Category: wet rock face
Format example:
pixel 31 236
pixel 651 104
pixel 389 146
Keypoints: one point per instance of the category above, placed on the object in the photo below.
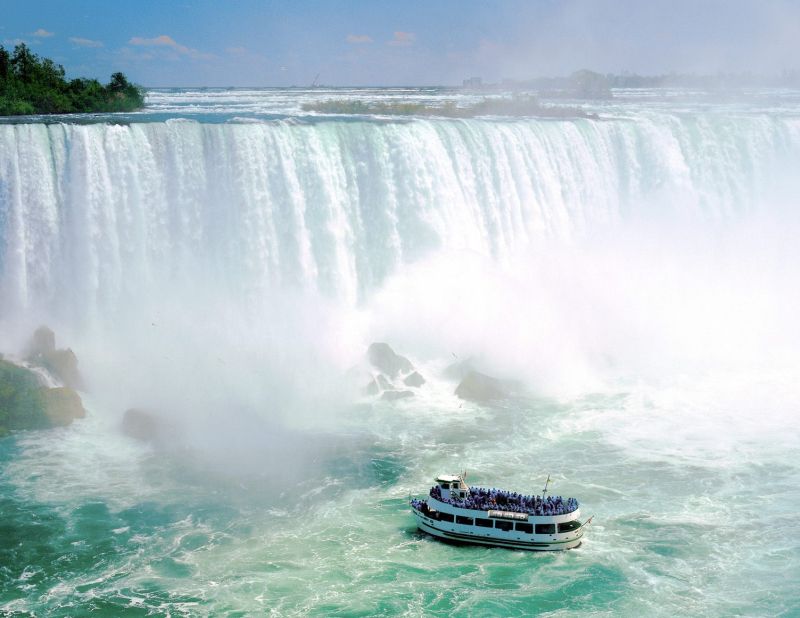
pixel 62 364
pixel 141 425
pixel 62 405
pixel 43 342
pixel 387 361
pixel 414 379
pixel 26 404
pixel 479 387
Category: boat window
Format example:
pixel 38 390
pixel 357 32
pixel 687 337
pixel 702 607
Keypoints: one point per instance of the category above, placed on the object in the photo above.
pixel 545 528
pixel 467 521
pixel 569 526
pixel 446 517
pixel 445 485
pixel 521 526
pixel 485 523
pixel 503 525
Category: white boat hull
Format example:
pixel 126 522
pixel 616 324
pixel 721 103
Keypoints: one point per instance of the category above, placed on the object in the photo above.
pixel 513 539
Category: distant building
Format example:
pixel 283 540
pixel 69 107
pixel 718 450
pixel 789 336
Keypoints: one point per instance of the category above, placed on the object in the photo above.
pixel 473 82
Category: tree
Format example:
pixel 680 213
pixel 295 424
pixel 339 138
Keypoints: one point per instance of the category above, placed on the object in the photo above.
pixel 33 85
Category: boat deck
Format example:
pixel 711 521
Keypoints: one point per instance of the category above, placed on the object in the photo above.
pixel 482 499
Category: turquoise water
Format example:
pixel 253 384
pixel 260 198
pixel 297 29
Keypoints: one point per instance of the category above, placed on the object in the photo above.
pixel 226 262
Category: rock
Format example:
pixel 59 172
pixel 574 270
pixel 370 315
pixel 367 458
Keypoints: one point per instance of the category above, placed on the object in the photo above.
pixel 458 370
pixel 384 383
pixel 62 405
pixel 414 379
pixel 62 364
pixel 43 342
pixel 384 358
pixel 372 388
pixel 26 404
pixel 141 425
pixel 477 386
pixel 395 395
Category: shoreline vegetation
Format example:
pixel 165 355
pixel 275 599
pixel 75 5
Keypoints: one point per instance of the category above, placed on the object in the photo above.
pixel 30 84
pixel 516 106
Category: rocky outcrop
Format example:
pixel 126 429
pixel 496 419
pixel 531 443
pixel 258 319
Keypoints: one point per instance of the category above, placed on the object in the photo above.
pixel 142 425
pixel 395 372
pixel 414 379
pixel 479 387
pixel 42 343
pixel 372 388
pixel 62 405
pixel 458 370
pixel 387 361
pixel 26 404
pixel 62 364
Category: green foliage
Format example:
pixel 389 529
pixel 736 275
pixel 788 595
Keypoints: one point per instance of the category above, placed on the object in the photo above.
pixel 33 85
pixel 521 105
pixel 22 405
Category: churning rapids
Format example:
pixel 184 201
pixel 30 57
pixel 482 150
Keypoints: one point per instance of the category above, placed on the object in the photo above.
pixel 225 258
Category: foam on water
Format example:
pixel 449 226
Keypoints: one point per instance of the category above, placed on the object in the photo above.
pixel 228 265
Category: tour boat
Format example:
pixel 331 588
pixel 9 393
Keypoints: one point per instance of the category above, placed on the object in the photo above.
pixel 454 511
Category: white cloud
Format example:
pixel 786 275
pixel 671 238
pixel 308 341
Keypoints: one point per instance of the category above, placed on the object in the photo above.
pixel 168 43
pixel 403 39
pixel 81 42
pixel 357 39
pixel 41 33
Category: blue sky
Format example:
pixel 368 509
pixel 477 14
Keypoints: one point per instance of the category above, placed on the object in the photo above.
pixel 420 42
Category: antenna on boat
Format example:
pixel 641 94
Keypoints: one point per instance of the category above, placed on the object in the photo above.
pixel 546 483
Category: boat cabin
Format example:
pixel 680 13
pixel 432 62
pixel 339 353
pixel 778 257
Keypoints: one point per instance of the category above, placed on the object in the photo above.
pixel 452 486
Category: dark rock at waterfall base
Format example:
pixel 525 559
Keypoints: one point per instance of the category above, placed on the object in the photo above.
pixel 458 370
pixel 62 405
pixel 414 379
pixel 479 387
pixel 384 358
pixel 384 383
pixel 61 364
pixel 43 342
pixel 142 425
pixel 26 404
pixel 372 388
pixel 395 395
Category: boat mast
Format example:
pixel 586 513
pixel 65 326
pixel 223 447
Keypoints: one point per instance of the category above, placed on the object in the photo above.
pixel 546 483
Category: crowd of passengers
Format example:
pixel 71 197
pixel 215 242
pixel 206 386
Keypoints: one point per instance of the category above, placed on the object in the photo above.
pixel 482 499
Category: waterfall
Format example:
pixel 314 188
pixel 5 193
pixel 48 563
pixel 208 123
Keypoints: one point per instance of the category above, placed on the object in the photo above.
pixel 97 215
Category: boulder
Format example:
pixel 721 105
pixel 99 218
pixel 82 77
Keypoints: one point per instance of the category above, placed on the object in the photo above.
pixel 386 360
pixel 414 379
pixel 26 404
pixel 395 395
pixel 141 425
pixel 62 364
pixel 62 405
pixel 479 387
pixel 43 342
pixel 372 388
pixel 458 370
pixel 384 383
